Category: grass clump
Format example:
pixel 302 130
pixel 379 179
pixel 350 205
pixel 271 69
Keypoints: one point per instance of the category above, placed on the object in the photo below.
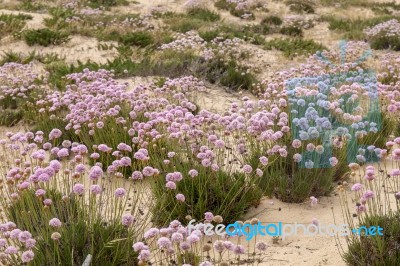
pixel 44 37
pixel 229 195
pixel 106 3
pixel 383 41
pixel 107 243
pixel 141 39
pixel 291 31
pixel 204 14
pixel 300 6
pixel 294 47
pixel 376 250
pixel 272 20
pixel 231 7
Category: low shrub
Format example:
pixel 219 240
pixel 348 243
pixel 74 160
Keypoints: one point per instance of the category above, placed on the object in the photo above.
pixel 300 6
pixel 44 37
pixel 141 39
pixel 272 20
pixel 291 31
pixel 231 7
pixel 106 3
pixel 294 47
pixel 385 42
pixel 203 14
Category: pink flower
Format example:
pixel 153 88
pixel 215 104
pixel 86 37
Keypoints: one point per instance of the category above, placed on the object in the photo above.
pixel 296 143
pixel 369 194
pixel 127 219
pixel 356 187
pixel 261 246
pixel 95 189
pixel 170 185
pixel 395 172
pixel 264 160
pixel 180 197
pixel 137 175
pixel 314 201
pixel 78 189
pixel 55 134
pixel 193 173
pixel 120 192
pixel 55 222
pixel 164 243
pixel 247 169
pixel 95 173
pixel 208 216
pixel 27 256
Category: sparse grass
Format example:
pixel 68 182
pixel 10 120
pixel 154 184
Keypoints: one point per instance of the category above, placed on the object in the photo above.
pixel 58 16
pixel 44 37
pixel 25 59
pixel 294 47
pixel 184 24
pixel 361 3
pixel 11 24
pixel 31 6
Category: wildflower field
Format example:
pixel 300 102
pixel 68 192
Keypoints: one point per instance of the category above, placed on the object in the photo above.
pixel 131 129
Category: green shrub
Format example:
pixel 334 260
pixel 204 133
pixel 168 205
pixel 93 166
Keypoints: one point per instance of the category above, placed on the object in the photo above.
pixel 209 35
pixel 44 37
pixel 228 74
pixel 231 7
pixel 382 42
pixel 185 24
pixel 291 31
pixel 294 47
pixel 237 79
pixel 272 20
pixel 203 14
pixel 141 39
pixel 10 117
pixel 300 6
pixel 106 3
